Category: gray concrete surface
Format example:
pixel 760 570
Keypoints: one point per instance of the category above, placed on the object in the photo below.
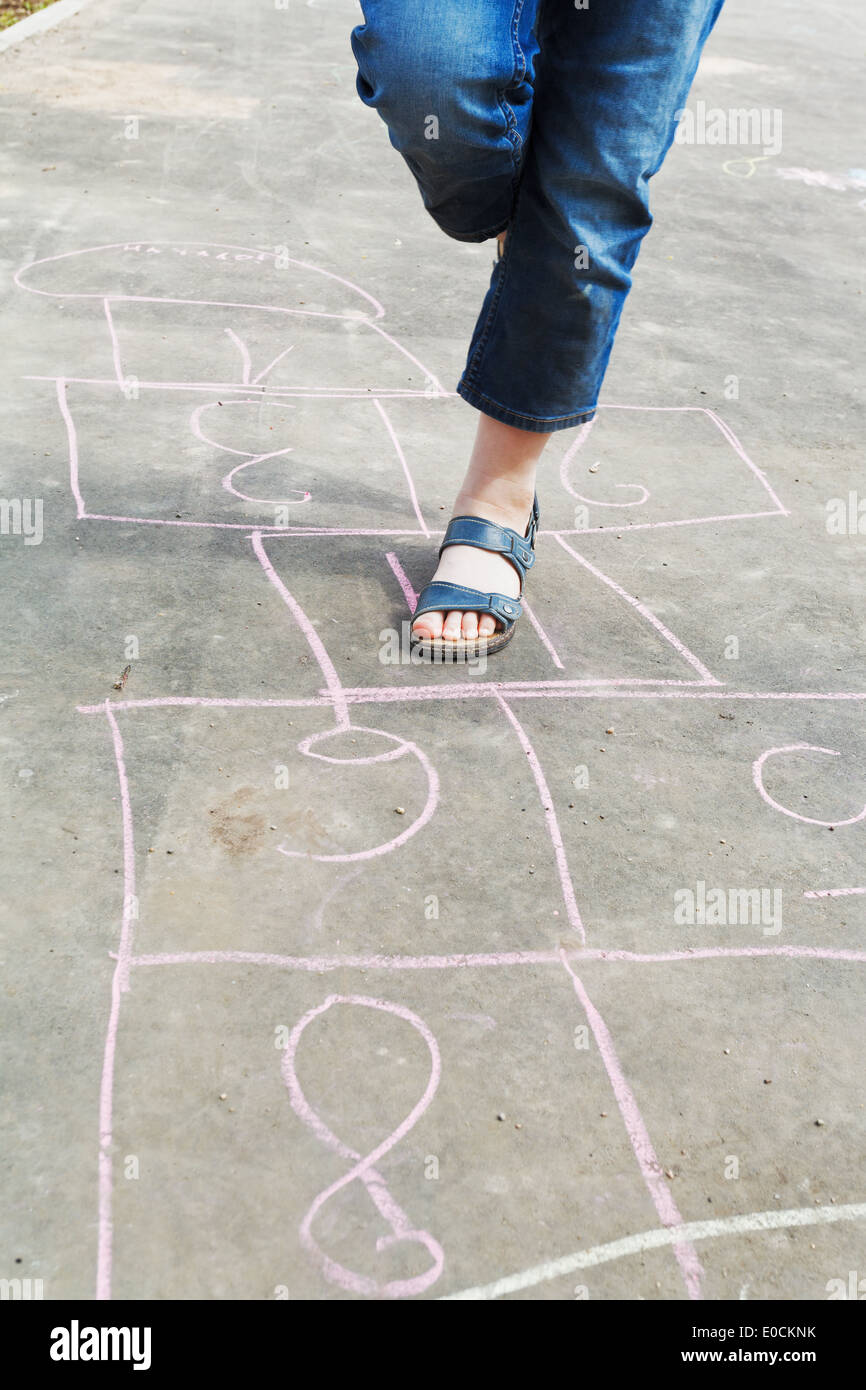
pixel 534 1052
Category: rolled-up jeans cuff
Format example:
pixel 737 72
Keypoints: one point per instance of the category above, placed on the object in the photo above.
pixel 538 424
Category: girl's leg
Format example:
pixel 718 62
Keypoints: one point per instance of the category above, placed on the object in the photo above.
pixel 609 80
pixel 454 84
pixel 560 153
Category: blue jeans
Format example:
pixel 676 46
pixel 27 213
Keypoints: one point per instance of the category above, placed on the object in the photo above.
pixel 548 120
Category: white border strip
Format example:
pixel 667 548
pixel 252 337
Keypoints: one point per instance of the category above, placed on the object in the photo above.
pixel 671 1235
pixel 40 21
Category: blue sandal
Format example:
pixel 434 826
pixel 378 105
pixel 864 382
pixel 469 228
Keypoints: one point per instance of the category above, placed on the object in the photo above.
pixel 444 597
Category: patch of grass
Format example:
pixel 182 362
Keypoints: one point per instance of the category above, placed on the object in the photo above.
pixel 13 10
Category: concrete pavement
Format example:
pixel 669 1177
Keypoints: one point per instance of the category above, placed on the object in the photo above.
pixel 328 976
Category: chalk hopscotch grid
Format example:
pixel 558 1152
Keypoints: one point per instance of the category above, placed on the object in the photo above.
pixel 651 1171
pixel 375 398
pixel 672 1231
pixel 434 390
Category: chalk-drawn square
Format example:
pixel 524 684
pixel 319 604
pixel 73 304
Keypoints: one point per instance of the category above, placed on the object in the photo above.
pixel 763 781
pixel 503 1044
pixel 258 829
pixel 581 625
pixel 642 467
pixel 229 459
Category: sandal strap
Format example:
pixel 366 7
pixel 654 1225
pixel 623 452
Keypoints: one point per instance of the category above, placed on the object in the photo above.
pixel 500 540
pixel 535 518
pixel 444 597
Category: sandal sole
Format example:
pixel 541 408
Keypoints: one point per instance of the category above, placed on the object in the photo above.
pixel 434 650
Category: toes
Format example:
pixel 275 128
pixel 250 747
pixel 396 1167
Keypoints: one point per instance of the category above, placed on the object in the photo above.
pixel 428 626
pixel 453 626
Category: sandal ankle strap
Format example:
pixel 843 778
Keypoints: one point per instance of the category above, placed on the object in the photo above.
pixel 499 540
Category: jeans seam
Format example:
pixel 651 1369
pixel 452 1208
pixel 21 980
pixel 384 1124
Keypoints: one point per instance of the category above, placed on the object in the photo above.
pixel 511 122
pixel 511 131
pixel 515 40
pixel 518 73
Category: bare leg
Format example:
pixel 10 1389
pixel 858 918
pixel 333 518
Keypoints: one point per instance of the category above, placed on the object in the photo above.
pixel 499 486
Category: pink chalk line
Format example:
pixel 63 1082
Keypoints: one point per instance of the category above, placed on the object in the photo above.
pixel 133 244
pixel 289 532
pixel 651 1169
pixel 542 635
pixel 738 448
pixel 413 496
pixel 571 908
pixel 229 486
pixel 307 392
pixel 649 1165
pixel 595 502
pixel 280 532
pixel 491 959
pixel 335 690
pixel 318 918
pixel 73 447
pixel 599 689
pixel 273 362
pixel 726 432
pixel 758 779
pixel 720 425
pixel 249 458
pixel 249 527
pixel 343 723
pixel 435 388
pixel 515 690
pixel 626 527
pixel 247 362
pixel 115 345
pixel 217 702
pixel 363 1167
pixel 645 613
pixel 433 382
pixel 579 440
pixel 119 985
pixel 198 430
pixel 403 580
pixel 210 304
pixel 402 747
pixel 833 892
